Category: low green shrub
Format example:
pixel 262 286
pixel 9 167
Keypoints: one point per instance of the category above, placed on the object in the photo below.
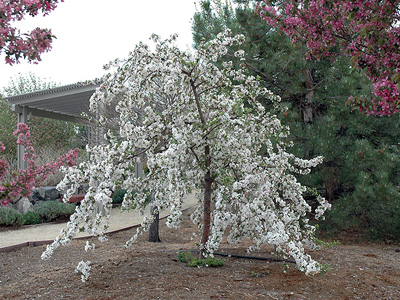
pixel 10 217
pixel 118 196
pixel 53 210
pixel 195 262
pixel 31 218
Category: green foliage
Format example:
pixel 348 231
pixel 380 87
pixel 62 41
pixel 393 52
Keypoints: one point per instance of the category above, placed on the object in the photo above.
pixel 27 83
pixel 8 123
pixel 184 257
pixel 118 196
pixel 271 55
pixel 325 268
pixel 31 218
pixel 53 210
pixel 196 262
pixel 360 174
pixel 10 217
pixel 326 244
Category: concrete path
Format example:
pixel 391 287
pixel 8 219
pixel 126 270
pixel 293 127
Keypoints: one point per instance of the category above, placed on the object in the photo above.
pixel 49 231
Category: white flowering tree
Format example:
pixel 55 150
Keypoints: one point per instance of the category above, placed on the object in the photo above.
pixel 199 128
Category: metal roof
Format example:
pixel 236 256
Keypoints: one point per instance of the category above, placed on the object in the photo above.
pixel 63 103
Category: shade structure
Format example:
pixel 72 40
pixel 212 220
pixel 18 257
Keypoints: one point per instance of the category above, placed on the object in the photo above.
pixel 62 103
pixel 66 103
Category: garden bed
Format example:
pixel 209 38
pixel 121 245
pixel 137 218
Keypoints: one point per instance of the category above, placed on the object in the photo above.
pixel 359 270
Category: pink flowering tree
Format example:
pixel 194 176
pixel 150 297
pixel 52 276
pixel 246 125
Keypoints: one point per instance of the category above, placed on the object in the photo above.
pixel 27 45
pixel 367 31
pixel 34 175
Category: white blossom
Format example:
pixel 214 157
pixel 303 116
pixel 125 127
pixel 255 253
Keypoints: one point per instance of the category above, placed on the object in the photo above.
pixel 83 268
pixel 186 118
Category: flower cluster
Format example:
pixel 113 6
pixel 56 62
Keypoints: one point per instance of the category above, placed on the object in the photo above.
pixel 28 46
pixel 83 268
pixel 367 31
pixel 34 175
pixel 199 127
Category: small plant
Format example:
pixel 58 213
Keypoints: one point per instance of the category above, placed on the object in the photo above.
pixel 184 257
pixel 204 262
pixel 326 244
pixel 325 268
pixel 53 210
pixel 256 274
pixel 31 218
pixel 10 217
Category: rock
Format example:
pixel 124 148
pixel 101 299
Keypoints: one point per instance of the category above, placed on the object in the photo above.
pixel 51 194
pixel 36 196
pixel 40 191
pixel 23 205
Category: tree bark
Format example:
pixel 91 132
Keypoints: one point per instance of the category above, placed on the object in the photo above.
pixel 153 230
pixel 308 103
pixel 207 203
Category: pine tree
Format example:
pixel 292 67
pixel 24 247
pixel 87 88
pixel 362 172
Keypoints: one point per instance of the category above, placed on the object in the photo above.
pixel 316 93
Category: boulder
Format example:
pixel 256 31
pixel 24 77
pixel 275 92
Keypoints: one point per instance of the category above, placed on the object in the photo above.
pixel 39 191
pixel 23 205
pixel 51 194
pixel 36 196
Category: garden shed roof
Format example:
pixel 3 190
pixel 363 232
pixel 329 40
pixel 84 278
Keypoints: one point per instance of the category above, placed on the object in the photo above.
pixel 62 103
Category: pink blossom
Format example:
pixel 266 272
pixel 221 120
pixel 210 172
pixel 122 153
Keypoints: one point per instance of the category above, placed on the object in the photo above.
pixel 28 45
pixel 25 180
pixel 366 30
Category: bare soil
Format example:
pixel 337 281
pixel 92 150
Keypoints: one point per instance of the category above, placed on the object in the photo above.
pixel 359 270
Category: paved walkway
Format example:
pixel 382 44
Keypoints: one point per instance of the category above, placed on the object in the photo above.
pixel 29 235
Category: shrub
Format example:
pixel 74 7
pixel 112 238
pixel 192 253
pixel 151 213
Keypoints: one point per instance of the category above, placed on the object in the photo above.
pixel 53 210
pixel 118 196
pixel 10 217
pixel 195 262
pixel 32 217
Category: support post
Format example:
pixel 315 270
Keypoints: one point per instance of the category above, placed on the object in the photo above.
pixel 22 118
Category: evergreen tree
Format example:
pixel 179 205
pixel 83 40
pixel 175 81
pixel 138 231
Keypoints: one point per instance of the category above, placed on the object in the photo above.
pixel 361 153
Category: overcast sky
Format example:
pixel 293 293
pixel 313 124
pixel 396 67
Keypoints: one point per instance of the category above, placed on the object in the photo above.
pixel 90 33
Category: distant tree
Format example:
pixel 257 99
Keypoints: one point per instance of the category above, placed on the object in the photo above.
pixel 16 45
pixel 27 83
pixel 307 85
pixel 8 123
pixel 315 93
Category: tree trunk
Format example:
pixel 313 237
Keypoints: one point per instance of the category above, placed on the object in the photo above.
pixel 153 230
pixel 308 103
pixel 207 204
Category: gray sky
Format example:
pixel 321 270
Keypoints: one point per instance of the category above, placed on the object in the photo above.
pixel 90 33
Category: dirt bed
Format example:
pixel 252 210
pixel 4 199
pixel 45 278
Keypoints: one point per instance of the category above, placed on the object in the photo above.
pixel 152 271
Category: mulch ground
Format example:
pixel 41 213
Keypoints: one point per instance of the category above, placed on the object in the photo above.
pixel 359 270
